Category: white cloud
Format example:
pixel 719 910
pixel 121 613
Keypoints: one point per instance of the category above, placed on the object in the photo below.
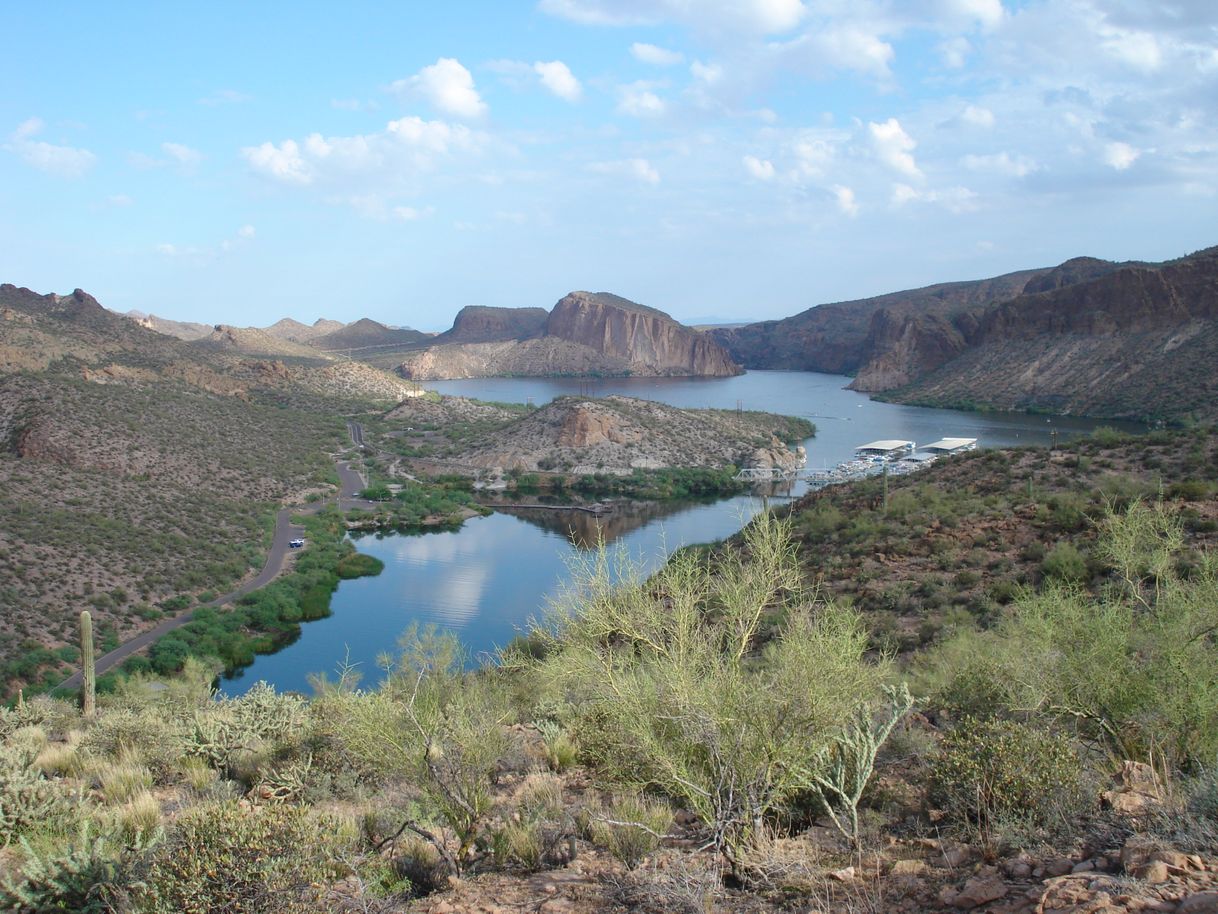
pixel 977 116
pixel 448 87
pixel 639 169
pixel 119 200
pixel 852 46
pixel 655 55
pixel 708 73
pixel 62 161
pixel 558 78
pixel 1139 50
pixel 371 173
pixel 1002 163
pixel 757 16
pixel 183 155
pixel 410 213
pixel 760 169
pixel 637 100
pixel 988 14
pixel 845 200
pixel 954 199
pixel 283 162
pixel 168 250
pixel 1120 155
pixel 246 231
pixel 894 147
pixel 954 52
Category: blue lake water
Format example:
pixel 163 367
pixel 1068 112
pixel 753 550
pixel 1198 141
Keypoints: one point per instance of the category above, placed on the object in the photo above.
pixel 487 579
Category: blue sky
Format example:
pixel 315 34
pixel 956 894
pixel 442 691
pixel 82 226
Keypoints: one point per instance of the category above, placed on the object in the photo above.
pixel 237 163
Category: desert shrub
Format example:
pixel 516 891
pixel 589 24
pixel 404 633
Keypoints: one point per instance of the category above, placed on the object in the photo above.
pixel 1133 670
pixel 630 827
pixel 122 779
pixel 559 747
pixel 139 819
pixel 1065 563
pixel 439 726
pixel 669 686
pixel 155 735
pixel 222 857
pixel 997 769
pixel 357 565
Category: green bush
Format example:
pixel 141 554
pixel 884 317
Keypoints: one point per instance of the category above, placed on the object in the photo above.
pixel 83 878
pixel 996 769
pixel 356 565
pixel 1065 564
pixel 630 827
pixel 223 857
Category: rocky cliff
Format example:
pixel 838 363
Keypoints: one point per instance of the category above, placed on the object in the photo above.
pixel 651 341
pixel 586 333
pixel 1134 340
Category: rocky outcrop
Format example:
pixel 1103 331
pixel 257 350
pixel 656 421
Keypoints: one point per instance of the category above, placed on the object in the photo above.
pixel 483 324
pixel 296 332
pixel 649 340
pixel 906 347
pixel 619 434
pixel 586 334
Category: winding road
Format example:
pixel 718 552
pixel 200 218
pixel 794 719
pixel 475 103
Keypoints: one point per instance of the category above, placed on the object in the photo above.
pixel 351 481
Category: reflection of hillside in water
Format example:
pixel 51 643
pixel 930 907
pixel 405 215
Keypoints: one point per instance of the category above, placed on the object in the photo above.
pixel 585 531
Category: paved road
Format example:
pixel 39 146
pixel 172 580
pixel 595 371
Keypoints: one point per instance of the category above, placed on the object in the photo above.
pixel 285 531
pixel 351 481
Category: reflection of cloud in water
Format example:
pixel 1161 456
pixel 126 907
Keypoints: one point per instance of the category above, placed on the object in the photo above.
pixel 453 600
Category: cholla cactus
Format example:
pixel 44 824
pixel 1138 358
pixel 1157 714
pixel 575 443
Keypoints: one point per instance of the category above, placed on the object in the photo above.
pixel 27 799
pixel 267 714
pixel 284 784
pixel 79 878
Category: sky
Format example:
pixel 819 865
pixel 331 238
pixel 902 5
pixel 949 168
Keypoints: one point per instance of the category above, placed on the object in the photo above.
pixel 230 162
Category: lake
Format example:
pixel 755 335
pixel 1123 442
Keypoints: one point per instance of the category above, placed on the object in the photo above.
pixel 487 579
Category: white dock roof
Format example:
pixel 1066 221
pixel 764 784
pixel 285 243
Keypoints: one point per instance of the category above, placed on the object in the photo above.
pixel 950 444
pixel 885 445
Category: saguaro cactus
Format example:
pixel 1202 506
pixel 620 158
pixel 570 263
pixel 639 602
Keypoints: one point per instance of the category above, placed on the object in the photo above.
pixel 88 683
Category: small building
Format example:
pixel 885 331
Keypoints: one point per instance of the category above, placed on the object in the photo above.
pixel 919 460
pixel 945 446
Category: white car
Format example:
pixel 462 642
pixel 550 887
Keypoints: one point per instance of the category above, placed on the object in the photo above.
pixel 296 544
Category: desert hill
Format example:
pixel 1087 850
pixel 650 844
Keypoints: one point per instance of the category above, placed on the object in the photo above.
pixel 183 330
pixel 619 434
pixel 138 470
pixel 368 334
pixel 585 333
pixel 296 332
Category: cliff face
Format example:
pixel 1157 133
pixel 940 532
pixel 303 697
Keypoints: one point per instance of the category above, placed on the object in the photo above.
pixel 586 333
pixel 649 340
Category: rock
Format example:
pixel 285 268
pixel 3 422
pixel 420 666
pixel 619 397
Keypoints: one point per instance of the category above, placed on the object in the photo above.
pixel 908 868
pixel 1153 872
pixel 1083 866
pixel 1176 862
pixel 1059 866
pixel 1200 903
pixel 843 875
pixel 981 889
pixel 956 855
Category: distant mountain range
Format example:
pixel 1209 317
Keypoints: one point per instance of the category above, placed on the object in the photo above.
pixel 1090 337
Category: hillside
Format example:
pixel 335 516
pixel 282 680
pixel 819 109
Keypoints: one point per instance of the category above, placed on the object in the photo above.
pixel 1136 341
pixel 619 434
pixel 367 334
pixel 837 338
pixel 296 332
pixel 586 333
pixel 183 330
pixel 138 471
pixel 731 734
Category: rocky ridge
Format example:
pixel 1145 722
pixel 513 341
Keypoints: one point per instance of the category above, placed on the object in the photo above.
pixel 586 333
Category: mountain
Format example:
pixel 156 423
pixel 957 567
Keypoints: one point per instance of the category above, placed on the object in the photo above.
pixel 296 332
pixel 368 334
pixel 836 338
pixel 482 324
pixel 1129 340
pixel 585 333
pixel 183 330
